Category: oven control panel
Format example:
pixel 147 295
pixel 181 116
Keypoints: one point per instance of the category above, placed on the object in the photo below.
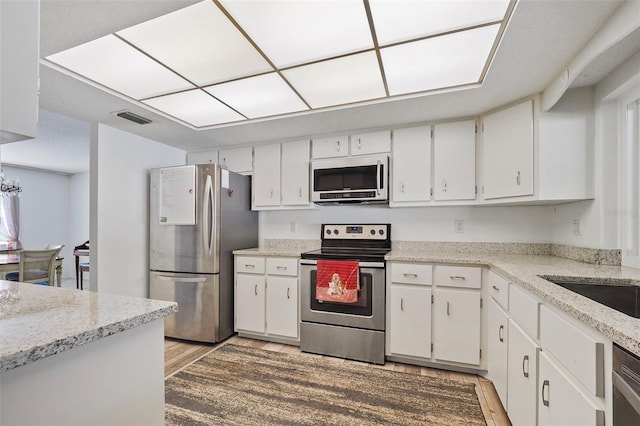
pixel 356 232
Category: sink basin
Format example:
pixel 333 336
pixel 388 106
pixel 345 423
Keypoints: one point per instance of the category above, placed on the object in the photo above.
pixel 621 295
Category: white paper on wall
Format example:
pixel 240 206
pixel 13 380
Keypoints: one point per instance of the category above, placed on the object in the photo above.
pixel 178 195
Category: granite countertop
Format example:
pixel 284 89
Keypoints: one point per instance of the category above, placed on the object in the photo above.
pixel 525 270
pixel 269 252
pixel 50 320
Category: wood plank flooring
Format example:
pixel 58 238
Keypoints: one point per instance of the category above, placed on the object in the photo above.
pixel 179 354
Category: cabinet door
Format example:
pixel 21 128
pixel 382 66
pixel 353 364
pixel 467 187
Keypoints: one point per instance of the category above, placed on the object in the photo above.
pixel 250 303
pixel 457 326
pixel 237 160
pixel 335 146
pixel 497 344
pixel 561 402
pixel 508 152
pixel 411 171
pixel 371 143
pixel 522 377
pixel 266 176
pixel 454 161
pixel 205 157
pixel 410 321
pixel 295 173
pixel 282 306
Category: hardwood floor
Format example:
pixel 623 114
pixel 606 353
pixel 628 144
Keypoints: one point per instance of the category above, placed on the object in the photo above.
pixel 179 354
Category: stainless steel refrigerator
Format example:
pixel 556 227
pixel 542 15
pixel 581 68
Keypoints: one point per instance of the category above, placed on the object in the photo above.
pixel 199 214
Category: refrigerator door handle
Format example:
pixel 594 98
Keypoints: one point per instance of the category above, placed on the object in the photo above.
pixel 207 216
pixel 181 279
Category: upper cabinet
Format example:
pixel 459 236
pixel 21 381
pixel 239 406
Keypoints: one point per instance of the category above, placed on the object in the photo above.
pixel 533 156
pixel 19 43
pixel 356 144
pixel 239 160
pixel 281 176
pixel 203 157
pixel 411 167
pixel 454 161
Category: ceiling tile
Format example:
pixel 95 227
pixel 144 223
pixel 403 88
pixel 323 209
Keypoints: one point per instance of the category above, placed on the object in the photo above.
pixel 439 62
pixel 338 81
pixel 200 43
pixel 401 20
pixel 260 96
pixel 195 107
pixel 294 32
pixel 113 63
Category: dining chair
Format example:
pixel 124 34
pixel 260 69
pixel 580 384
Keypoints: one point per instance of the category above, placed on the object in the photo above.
pixel 36 266
pixel 84 267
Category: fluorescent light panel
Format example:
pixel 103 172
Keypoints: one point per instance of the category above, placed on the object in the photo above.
pixel 295 32
pixel 113 63
pixel 200 43
pixel 260 96
pixel 195 107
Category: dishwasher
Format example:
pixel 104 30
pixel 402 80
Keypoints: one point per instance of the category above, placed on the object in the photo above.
pixel 626 387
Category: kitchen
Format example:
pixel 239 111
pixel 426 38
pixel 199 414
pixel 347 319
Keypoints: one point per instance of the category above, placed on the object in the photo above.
pixel 598 222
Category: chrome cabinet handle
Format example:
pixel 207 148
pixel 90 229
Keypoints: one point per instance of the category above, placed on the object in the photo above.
pixel 271 193
pixel 401 186
pixel 444 186
pixel 500 333
pixel 447 308
pixel 255 289
pixel 337 145
pixel 525 359
pixel 359 144
pixel 281 267
pixel 518 178
pixel 457 277
pixel 288 296
pixel 495 288
pixel 545 384
pixel 248 265
pixel 300 192
pixel 410 275
pixel 401 304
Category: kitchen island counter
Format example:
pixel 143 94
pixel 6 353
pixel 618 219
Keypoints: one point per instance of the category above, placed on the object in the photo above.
pixel 86 357
pixel 525 270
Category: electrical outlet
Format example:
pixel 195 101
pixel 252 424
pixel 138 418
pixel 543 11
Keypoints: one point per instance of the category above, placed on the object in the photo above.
pixel 576 227
pixel 294 225
pixel 459 226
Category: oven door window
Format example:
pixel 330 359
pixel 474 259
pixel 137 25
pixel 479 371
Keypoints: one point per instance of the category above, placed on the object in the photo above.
pixel 362 307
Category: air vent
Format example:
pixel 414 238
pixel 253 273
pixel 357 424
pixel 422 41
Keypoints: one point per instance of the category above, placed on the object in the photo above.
pixel 128 115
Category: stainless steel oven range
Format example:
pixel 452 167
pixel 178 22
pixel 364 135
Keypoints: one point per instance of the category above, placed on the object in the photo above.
pixel 353 330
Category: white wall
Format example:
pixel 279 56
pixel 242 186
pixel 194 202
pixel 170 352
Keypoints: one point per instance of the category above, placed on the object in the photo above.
pixel 119 208
pixel 489 224
pixel 600 217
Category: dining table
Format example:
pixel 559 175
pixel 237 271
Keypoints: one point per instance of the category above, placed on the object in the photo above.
pixel 10 262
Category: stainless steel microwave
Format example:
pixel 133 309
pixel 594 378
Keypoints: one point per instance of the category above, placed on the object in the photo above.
pixel 350 179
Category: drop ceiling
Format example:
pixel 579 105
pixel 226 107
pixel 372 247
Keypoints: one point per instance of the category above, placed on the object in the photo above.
pixel 539 41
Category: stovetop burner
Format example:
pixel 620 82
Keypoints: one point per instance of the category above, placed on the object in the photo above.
pixel 370 242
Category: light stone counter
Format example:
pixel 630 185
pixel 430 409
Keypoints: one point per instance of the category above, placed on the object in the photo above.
pixel 50 320
pixel 525 270
pixel 280 248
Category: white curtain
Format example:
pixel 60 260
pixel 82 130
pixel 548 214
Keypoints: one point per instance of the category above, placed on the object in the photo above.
pixel 10 224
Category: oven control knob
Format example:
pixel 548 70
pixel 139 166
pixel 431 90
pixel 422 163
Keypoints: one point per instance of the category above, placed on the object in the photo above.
pixel 336 232
pixel 328 231
pixel 373 232
pixel 381 232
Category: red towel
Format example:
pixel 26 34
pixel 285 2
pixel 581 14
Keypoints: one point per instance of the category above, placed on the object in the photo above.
pixel 338 281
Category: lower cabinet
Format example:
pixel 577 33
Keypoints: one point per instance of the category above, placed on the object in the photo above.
pixel 522 377
pixel 266 304
pixel 561 402
pixel 497 348
pixel 457 331
pixel 410 322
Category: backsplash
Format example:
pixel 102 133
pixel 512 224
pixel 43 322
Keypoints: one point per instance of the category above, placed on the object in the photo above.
pixel 588 255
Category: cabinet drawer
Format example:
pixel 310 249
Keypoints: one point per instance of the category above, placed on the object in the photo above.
pixel 499 289
pixel 282 266
pixel 411 273
pixel 458 276
pixel 250 265
pixel 524 309
pixel 578 352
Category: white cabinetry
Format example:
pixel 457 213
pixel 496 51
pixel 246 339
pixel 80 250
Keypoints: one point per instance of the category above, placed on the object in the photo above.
pixel 497 348
pixel 281 176
pixel 20 46
pixel 327 147
pixel 454 161
pixel 239 160
pixel 267 298
pixel 266 176
pixel 370 143
pixel 410 310
pixel 411 168
pixel 203 157
pixel 522 377
pixel 533 156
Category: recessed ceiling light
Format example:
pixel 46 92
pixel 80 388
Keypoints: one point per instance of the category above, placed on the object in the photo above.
pixel 200 43
pixel 338 81
pixel 295 32
pixel 195 107
pixel 260 96
pixel 113 63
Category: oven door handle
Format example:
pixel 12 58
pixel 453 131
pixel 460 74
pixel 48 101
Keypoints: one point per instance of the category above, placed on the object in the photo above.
pixel 620 384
